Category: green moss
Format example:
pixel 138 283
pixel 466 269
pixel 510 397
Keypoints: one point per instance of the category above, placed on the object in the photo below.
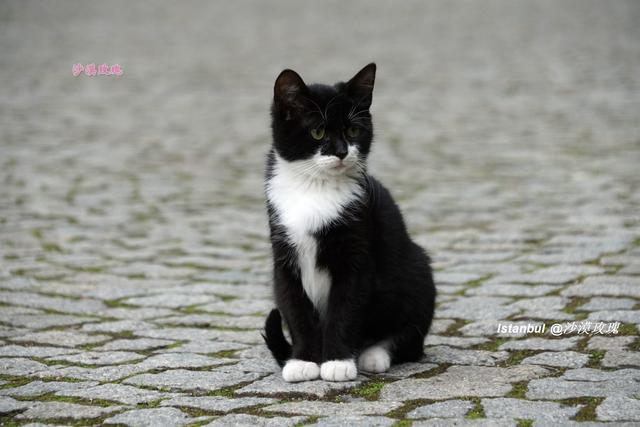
pixel 627 329
pixel 595 358
pixel 635 346
pixel 452 330
pixel 224 353
pixel 520 422
pixel 433 372
pixel 311 420
pixel 574 303
pixel 477 411
pixel 492 345
pixel 517 356
pixel 518 390
pixel 588 412
pixel 369 390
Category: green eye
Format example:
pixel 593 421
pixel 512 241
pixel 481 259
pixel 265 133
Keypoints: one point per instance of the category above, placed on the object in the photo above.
pixel 318 133
pixel 353 132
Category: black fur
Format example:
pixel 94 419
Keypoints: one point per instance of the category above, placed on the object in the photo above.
pixel 382 286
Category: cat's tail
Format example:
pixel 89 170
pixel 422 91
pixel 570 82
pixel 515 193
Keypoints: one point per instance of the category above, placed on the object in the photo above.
pixel 274 337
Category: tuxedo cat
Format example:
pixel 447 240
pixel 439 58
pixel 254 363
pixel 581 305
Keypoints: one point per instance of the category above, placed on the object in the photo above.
pixel 349 282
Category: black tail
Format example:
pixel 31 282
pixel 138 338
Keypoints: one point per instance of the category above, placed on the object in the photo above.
pixel 273 336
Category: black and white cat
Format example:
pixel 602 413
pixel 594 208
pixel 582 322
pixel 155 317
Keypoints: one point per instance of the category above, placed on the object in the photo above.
pixel 349 282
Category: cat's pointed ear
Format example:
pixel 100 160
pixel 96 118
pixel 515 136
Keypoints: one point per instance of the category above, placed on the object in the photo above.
pixel 289 91
pixel 360 87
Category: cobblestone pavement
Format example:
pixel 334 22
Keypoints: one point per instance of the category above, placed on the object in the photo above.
pixel 134 255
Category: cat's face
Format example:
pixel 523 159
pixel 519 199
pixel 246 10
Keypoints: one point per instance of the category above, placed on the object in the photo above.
pixel 326 130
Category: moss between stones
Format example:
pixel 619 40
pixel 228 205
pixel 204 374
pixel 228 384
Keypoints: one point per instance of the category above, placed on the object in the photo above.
pixel 521 422
pixel 477 411
pixel 452 330
pixel 595 358
pixel 588 412
pixel 369 390
pixel 627 329
pixel 517 356
pixel 403 423
pixel 518 390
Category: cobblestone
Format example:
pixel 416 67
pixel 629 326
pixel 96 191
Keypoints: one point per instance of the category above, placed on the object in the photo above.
pixel 135 269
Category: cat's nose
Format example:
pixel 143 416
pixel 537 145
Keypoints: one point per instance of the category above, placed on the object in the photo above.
pixel 341 149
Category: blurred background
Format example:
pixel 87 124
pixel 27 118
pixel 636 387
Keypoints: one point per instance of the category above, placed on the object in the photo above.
pixel 513 119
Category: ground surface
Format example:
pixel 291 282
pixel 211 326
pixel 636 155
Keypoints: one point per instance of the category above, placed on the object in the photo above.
pixel 134 256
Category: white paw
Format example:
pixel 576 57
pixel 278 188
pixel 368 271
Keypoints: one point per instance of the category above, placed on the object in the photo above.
pixel 338 370
pixel 299 370
pixel 374 359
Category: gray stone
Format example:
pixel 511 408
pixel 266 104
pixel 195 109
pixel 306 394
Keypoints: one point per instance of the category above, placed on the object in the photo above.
pixel 20 367
pixel 195 334
pixel 408 369
pixel 621 359
pixel 463 422
pixel 171 300
pixel 443 354
pixel 239 307
pixel 8 405
pixel 541 344
pixel 333 409
pixel 615 286
pixel 192 380
pixel 217 403
pixel 242 420
pixel 354 421
pixel 511 290
pixel 275 385
pixel 624 316
pixel 60 410
pixel 209 320
pixel 32 351
pixel 117 326
pixel 609 343
pixel 478 308
pixel 136 344
pixel 206 347
pixel 446 409
pixel 114 392
pixel 151 418
pixel 585 382
pixel 462 381
pixel 38 388
pixel 62 338
pixel 606 303
pixel 519 408
pixel 99 357
pixel 564 359
pixel 619 408
pixel 464 342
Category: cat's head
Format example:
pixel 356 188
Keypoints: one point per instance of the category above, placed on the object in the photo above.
pixel 327 130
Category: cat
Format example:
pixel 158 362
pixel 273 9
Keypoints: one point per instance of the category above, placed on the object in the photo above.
pixel 348 280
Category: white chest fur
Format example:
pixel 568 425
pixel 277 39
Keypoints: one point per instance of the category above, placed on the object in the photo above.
pixel 304 204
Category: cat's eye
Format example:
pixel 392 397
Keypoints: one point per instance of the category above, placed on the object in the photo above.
pixel 353 132
pixel 317 133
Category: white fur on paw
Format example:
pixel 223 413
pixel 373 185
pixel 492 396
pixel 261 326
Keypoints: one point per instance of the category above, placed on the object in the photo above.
pixel 374 359
pixel 338 370
pixel 299 370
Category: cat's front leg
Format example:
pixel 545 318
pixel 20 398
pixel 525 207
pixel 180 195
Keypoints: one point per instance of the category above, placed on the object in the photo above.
pixel 303 327
pixel 342 329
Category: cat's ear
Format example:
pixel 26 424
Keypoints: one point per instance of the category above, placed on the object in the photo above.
pixel 360 87
pixel 289 92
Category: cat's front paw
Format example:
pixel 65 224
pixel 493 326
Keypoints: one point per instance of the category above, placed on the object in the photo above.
pixel 374 359
pixel 338 370
pixel 299 370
